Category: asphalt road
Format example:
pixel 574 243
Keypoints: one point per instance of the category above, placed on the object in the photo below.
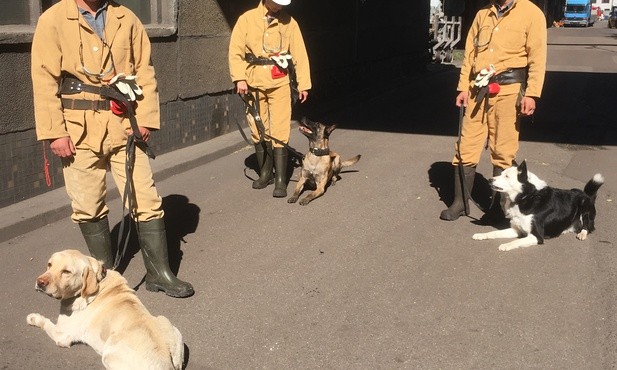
pixel 368 277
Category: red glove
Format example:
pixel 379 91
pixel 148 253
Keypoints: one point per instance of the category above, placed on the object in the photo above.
pixel 119 108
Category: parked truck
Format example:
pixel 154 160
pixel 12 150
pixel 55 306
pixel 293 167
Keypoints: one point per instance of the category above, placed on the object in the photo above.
pixel 578 13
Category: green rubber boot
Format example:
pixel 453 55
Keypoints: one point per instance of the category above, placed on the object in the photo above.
pixel 263 151
pixel 460 206
pixel 495 213
pixel 280 173
pixel 98 239
pixel 153 242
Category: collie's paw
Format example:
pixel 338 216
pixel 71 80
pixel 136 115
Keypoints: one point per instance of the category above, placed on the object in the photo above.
pixel 508 247
pixel 582 235
pixel 479 236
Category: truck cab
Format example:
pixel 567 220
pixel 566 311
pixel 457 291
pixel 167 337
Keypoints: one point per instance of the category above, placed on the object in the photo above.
pixel 578 13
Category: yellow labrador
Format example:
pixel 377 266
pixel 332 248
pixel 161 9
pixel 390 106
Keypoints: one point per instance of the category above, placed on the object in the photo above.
pixel 98 308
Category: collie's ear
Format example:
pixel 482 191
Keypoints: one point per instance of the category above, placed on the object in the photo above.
pixel 522 172
pixel 514 163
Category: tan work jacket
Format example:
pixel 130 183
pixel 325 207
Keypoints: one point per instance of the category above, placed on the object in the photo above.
pixel 61 35
pixel 252 34
pixel 516 39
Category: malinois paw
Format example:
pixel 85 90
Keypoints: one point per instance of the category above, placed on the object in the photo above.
pixel 292 199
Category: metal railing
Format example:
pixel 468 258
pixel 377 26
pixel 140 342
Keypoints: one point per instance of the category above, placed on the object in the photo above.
pixel 446 34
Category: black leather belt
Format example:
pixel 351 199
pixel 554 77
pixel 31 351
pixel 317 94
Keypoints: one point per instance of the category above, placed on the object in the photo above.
pixel 511 76
pixel 82 104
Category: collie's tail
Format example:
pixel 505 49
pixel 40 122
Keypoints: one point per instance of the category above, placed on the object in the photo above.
pixel 592 186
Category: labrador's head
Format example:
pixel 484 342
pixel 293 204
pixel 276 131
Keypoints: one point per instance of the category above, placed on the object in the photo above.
pixel 70 274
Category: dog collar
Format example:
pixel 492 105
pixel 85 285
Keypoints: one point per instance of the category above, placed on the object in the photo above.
pixel 319 151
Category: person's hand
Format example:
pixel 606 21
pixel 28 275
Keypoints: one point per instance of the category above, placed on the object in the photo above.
pixel 528 106
pixel 62 147
pixel 242 88
pixel 303 95
pixel 462 99
pixel 144 131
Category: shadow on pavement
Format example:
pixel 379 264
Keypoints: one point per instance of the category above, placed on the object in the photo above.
pixel 576 108
pixel 181 219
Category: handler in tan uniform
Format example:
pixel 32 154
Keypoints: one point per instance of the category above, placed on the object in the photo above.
pixel 501 78
pixel 78 47
pixel 264 41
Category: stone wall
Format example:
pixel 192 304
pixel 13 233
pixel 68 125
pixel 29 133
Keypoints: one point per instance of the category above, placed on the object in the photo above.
pixel 352 44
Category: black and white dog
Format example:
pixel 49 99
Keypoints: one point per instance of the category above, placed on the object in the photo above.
pixel 538 211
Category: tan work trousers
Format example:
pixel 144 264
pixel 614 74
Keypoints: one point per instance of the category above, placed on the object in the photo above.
pixel 84 177
pixel 275 112
pixel 499 123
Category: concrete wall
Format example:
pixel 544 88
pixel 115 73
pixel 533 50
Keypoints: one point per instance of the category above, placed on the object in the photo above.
pixel 351 43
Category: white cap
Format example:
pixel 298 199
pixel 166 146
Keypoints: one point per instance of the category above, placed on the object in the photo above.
pixel 282 2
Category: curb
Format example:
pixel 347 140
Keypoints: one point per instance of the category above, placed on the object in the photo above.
pixel 36 212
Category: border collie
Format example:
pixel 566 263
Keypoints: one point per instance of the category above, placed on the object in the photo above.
pixel 538 211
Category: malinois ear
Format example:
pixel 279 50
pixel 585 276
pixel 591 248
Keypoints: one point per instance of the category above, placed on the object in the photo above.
pixel 330 128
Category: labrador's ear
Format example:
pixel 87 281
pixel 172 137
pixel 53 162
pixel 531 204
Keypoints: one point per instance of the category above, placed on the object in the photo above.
pixel 90 284
pixel 91 276
pixel 98 267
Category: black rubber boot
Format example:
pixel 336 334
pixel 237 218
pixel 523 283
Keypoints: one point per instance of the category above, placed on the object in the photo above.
pixel 98 239
pixel 494 213
pixel 263 151
pixel 460 205
pixel 280 173
pixel 153 242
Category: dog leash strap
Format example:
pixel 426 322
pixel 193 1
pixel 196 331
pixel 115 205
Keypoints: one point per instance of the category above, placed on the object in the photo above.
pixel 127 202
pixel 252 106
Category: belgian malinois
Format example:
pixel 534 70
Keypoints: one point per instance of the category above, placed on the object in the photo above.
pixel 320 166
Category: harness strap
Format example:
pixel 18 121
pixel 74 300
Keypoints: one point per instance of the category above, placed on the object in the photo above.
pixel 253 60
pixel 252 106
pixel 71 85
pixel 508 77
pixel 258 61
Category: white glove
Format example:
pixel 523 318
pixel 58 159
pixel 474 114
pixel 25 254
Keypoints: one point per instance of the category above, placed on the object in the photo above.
pixel 127 86
pixel 281 60
pixel 484 76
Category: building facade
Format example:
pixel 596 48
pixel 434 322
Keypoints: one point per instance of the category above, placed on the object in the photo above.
pixel 350 43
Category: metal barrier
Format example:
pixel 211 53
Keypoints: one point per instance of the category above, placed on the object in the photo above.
pixel 446 33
